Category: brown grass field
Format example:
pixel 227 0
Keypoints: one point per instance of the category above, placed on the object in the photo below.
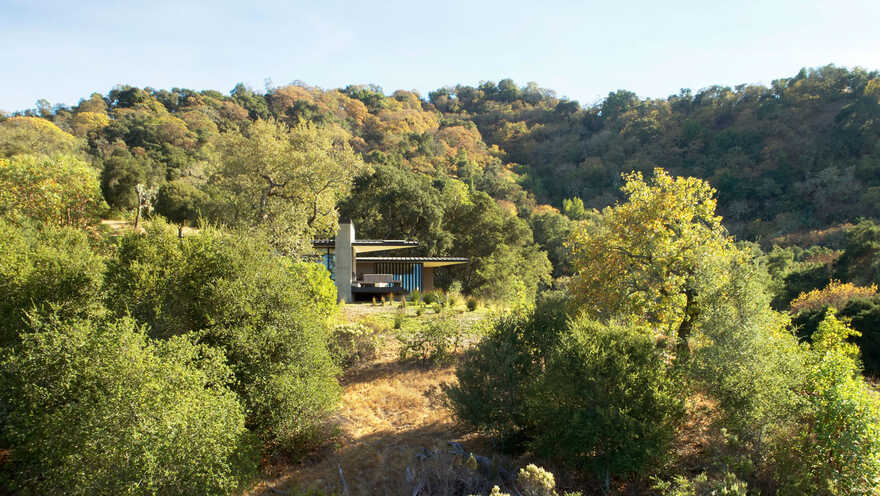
pixel 390 411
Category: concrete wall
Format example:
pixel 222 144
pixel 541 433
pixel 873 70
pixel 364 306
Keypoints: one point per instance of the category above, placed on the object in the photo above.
pixel 427 279
pixel 365 268
pixel 344 262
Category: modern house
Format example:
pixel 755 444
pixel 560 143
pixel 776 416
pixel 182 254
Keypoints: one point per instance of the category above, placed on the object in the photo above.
pixel 364 277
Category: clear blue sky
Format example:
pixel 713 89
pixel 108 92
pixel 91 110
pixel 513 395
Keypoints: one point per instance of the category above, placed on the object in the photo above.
pixel 65 50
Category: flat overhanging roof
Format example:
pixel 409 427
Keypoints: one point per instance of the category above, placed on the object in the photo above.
pixel 368 245
pixel 425 261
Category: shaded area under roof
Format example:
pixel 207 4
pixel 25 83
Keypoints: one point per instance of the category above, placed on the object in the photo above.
pixel 368 245
pixel 426 261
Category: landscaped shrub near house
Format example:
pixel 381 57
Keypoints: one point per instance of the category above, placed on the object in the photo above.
pixel 267 313
pixel 399 317
pixel 99 408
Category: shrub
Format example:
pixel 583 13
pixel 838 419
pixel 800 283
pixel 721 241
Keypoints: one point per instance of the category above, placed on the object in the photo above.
pixel 434 341
pixel 416 296
pixel 267 313
pixel 608 401
pixel 472 304
pixel 438 307
pixel 98 408
pixel 44 268
pixel 429 298
pixel 836 449
pixel 535 481
pixel 498 377
pixel 399 317
pixel 728 485
pixel 352 344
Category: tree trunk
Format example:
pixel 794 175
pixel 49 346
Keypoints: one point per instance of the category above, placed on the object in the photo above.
pixel 683 351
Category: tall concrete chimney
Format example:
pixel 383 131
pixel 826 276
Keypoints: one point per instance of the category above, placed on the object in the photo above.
pixel 344 261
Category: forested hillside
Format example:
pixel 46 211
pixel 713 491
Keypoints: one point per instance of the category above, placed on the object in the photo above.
pixel 800 154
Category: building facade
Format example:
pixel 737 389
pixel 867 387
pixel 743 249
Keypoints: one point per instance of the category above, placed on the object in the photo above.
pixel 366 276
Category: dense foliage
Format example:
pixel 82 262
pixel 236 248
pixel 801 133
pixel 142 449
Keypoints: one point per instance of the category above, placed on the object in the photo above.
pixel 269 316
pixel 45 270
pixel 158 366
pixel 783 158
pixel 98 408
pixel 690 312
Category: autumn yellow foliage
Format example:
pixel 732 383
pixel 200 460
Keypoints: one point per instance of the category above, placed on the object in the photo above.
pixel 836 294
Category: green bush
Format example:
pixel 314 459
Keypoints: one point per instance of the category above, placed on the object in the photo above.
pixel 268 313
pixel 98 408
pixel 434 341
pixel 399 317
pixel 415 296
pixel 836 448
pixel 702 485
pixel 352 344
pixel 472 304
pixel 42 268
pixel 608 401
pixel 498 377
pixel 864 316
pixel 429 298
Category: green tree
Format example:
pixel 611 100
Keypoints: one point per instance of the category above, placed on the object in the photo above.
pixel 392 203
pixel 267 313
pixel 61 190
pixel 551 230
pixel 122 172
pixel 836 449
pixel 284 180
pixel 654 256
pixel 33 135
pixel 97 408
pixel 180 202
pixel 496 239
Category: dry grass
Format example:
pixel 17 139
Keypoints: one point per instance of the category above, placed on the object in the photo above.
pixel 390 412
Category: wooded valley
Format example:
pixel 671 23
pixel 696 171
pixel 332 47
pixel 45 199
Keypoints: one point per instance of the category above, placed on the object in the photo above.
pixel 663 296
